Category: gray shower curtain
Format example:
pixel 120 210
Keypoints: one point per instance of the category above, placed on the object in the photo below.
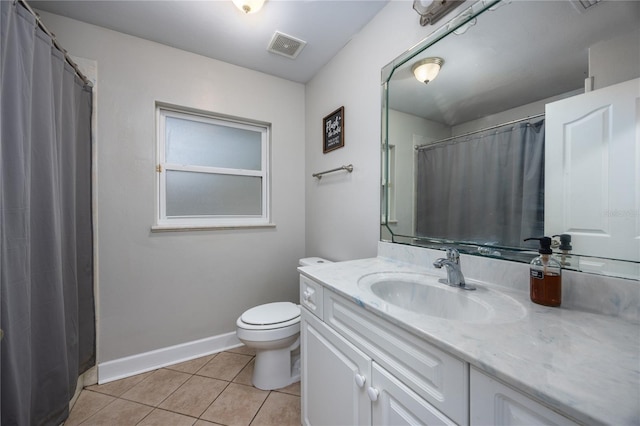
pixel 486 188
pixel 46 270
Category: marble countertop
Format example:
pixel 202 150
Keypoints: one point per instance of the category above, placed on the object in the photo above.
pixel 584 365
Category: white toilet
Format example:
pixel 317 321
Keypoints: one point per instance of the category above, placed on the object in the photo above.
pixel 273 330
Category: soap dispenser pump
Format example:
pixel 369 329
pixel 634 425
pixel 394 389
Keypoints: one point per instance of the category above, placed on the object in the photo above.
pixel 565 249
pixel 545 276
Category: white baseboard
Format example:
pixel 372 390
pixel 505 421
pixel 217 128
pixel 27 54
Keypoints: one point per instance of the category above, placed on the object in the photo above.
pixel 141 363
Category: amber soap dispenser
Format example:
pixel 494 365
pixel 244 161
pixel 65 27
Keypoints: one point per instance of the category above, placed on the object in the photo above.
pixel 545 276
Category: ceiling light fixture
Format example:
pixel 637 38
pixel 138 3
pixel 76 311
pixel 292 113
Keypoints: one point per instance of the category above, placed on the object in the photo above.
pixel 426 70
pixel 249 6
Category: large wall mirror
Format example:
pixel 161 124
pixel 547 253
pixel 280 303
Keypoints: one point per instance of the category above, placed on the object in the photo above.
pixel 530 128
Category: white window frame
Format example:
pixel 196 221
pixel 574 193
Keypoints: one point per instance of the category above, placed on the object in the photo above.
pixel 174 223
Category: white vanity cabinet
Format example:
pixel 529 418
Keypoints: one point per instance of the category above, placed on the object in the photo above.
pixel 343 386
pixel 360 369
pixel 366 362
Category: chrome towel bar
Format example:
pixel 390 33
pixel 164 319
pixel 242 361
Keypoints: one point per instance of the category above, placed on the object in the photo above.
pixel 348 168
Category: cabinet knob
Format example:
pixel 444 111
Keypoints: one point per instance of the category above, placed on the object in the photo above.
pixel 306 295
pixel 373 393
pixel 360 379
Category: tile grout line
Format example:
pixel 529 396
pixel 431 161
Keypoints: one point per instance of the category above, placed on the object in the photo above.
pixel 214 399
pixel 263 402
pixel 258 410
pixel 225 388
pixel 174 391
pixel 228 383
pixel 115 398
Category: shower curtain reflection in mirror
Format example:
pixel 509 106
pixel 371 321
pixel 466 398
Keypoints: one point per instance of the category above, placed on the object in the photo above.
pixel 489 183
pixel 46 242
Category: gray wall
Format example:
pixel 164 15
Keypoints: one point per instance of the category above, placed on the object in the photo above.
pixel 161 289
pixel 343 213
pixel 614 61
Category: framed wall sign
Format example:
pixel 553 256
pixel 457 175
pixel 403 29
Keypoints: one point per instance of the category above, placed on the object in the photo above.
pixel 333 127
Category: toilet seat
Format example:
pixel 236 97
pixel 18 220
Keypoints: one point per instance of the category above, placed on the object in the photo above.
pixel 270 316
pixel 271 313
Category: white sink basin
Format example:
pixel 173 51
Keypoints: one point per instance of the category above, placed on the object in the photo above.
pixel 423 294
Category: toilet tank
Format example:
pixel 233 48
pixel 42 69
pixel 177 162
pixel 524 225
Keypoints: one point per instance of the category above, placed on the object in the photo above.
pixel 307 261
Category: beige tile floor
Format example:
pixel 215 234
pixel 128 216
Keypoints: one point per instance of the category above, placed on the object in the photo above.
pixel 215 389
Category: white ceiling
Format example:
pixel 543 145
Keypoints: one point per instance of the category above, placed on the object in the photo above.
pixel 523 52
pixel 219 30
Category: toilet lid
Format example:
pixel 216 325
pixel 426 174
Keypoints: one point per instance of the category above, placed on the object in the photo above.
pixel 271 313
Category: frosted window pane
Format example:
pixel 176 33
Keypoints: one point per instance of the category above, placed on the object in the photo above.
pixel 205 194
pixel 205 144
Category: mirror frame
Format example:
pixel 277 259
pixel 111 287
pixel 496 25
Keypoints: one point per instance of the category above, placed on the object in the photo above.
pixel 522 255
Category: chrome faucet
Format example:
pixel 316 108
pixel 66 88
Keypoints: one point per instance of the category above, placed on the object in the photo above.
pixel 454 271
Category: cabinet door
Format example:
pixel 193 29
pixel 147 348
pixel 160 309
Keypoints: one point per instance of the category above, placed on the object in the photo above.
pixel 334 377
pixel 495 404
pixel 436 376
pixel 395 404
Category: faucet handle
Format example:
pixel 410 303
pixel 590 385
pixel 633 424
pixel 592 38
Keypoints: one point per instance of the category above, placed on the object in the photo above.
pixel 453 255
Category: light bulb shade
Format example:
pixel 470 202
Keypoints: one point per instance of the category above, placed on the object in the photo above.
pixel 249 6
pixel 427 70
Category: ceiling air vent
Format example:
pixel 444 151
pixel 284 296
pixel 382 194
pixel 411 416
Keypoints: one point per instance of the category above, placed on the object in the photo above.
pixel 285 45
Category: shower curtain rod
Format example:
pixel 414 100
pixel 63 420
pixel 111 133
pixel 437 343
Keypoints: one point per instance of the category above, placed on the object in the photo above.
pixel 55 43
pixel 441 141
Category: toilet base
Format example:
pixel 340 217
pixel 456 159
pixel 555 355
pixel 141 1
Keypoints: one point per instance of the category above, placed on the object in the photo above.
pixel 276 368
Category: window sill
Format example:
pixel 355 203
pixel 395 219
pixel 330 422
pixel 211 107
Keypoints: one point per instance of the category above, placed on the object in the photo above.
pixel 188 228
